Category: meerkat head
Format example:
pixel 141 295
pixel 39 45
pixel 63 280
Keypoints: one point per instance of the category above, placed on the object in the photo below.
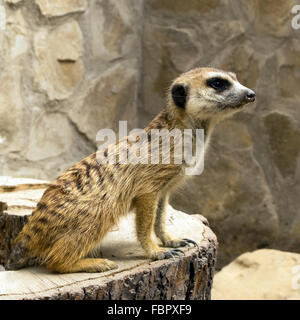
pixel 207 92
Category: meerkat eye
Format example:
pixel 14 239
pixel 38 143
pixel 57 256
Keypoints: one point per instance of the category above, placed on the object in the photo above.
pixel 218 84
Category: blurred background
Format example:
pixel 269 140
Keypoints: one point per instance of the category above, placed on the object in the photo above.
pixel 70 68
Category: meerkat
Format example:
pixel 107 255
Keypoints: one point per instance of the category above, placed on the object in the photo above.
pixel 86 201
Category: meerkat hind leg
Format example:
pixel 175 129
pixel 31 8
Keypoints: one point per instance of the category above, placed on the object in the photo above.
pixel 160 231
pixel 86 265
pixel 145 216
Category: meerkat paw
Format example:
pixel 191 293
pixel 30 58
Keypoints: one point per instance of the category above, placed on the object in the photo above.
pixel 104 265
pixel 176 243
pixel 157 253
pixel 161 255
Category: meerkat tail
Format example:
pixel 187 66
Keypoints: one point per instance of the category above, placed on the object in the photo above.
pixel 21 255
pixel 18 258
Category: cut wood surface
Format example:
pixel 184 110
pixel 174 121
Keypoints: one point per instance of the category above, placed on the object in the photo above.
pixel 186 277
pixel 8 184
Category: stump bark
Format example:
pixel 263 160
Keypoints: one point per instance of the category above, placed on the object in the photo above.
pixel 186 277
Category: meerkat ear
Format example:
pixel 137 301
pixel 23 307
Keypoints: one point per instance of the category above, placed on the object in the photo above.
pixel 179 94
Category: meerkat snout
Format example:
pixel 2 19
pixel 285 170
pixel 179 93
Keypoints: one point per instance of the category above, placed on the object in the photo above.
pixel 250 96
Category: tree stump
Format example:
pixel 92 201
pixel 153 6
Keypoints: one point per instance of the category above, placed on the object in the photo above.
pixel 187 277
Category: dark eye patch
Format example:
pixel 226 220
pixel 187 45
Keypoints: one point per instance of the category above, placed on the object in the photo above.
pixel 218 84
pixel 179 94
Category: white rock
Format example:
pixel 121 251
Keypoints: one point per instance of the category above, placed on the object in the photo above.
pixel 263 274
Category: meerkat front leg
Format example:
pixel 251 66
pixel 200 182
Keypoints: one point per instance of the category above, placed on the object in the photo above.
pixel 145 216
pixel 160 227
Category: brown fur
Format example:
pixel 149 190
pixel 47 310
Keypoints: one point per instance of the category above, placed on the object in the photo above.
pixel 86 201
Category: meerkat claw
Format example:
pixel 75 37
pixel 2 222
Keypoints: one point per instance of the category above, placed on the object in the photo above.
pixel 175 252
pixel 189 241
pixel 169 254
pixel 179 250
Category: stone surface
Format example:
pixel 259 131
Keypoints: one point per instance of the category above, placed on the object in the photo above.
pixel 110 98
pixel 270 17
pixel 55 8
pixel 114 28
pixel 51 136
pixel 58 58
pixel 260 275
pixel 59 67
pixel 187 277
pixel 11 111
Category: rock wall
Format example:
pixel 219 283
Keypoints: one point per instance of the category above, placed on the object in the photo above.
pixel 67 69
pixel 70 68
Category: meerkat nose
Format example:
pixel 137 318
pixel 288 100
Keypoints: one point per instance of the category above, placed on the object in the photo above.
pixel 250 95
